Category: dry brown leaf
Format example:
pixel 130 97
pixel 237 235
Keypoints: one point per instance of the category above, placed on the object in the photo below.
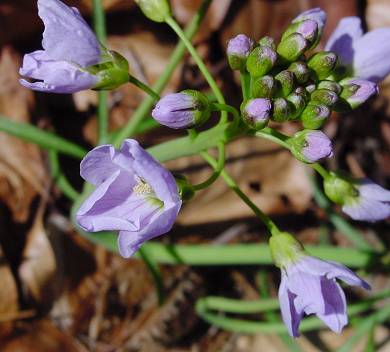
pixel 22 174
pixel 38 265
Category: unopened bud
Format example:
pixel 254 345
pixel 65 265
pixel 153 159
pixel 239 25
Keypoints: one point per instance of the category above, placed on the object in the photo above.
pixel 155 10
pixel 330 85
pixel 285 81
pixel 301 71
pixel 311 88
pixel 310 146
pixel 260 61
pixel 307 28
pixel 316 15
pixel 263 87
pixel 186 109
pixel 238 49
pixel 298 103
pixel 292 47
pixel 357 91
pixel 322 64
pixel 314 115
pixel 324 96
pixel 256 112
pixel 267 41
pixel 282 110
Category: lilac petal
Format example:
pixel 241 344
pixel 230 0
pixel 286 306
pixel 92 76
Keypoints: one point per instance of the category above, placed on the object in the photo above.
pixel 315 14
pixel 290 316
pixel 54 76
pixel 341 40
pixel 330 270
pixel 369 189
pixel 159 178
pixel 371 58
pixel 97 165
pixel 113 206
pixel 67 36
pixel 307 288
pixel 367 210
pixel 319 146
pixel 240 45
pixel 335 315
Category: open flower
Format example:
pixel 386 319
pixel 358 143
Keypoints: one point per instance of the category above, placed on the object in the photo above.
pixel 134 194
pixel 366 55
pixel 71 51
pixel 309 286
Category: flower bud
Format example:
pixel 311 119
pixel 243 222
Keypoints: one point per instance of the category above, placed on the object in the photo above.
pixel 186 109
pixel 310 88
pixel 260 61
pixel 322 64
pixel 292 47
pixel 357 91
pixel 298 104
pixel 155 10
pixel 263 87
pixel 256 112
pixel 325 97
pixel 310 146
pixel 300 71
pixel 112 73
pixel 314 115
pixel 238 49
pixel 330 85
pixel 282 110
pixel 186 190
pixel 267 41
pixel 339 189
pixel 307 28
pixel 285 81
pixel 285 249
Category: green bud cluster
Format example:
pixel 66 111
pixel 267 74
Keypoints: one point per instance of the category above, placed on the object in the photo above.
pixel 301 85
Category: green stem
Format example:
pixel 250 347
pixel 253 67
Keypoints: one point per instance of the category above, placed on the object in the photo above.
pixel 44 139
pixel 274 136
pixel 102 110
pixel 59 178
pixel 177 55
pixel 217 171
pixel 321 170
pixel 144 87
pixel 209 78
pixel 233 185
pixel 228 108
pixel 245 84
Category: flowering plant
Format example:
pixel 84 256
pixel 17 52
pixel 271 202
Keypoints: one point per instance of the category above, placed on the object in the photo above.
pixel 130 197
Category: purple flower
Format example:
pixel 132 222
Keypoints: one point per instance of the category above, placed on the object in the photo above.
pixel 315 14
pixel 134 194
pixel 69 46
pixel 308 29
pixel 256 112
pixel 366 55
pixel 357 91
pixel 238 49
pixel 370 203
pixel 310 146
pixel 182 110
pixel 309 286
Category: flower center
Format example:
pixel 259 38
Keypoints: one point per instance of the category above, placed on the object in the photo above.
pixel 143 188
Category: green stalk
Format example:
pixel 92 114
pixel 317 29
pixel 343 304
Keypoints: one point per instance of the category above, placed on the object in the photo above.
pixel 245 79
pixel 177 55
pixel 321 170
pixel 44 139
pixel 202 67
pixel 274 136
pixel 59 178
pixel 144 87
pixel 102 110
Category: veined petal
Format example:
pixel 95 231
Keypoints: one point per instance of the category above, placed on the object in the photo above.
pixel 371 55
pixel 290 316
pixel 330 270
pixel 335 315
pixel 348 30
pixel 366 209
pixel 67 37
pixel 369 189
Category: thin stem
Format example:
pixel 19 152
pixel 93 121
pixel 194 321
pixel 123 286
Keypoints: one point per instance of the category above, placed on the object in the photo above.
pixel 209 78
pixel 218 169
pixel 144 87
pixel 233 185
pixel 177 55
pixel 102 110
pixel 321 170
pixel 59 178
pixel 245 84
pixel 274 136
pixel 225 107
